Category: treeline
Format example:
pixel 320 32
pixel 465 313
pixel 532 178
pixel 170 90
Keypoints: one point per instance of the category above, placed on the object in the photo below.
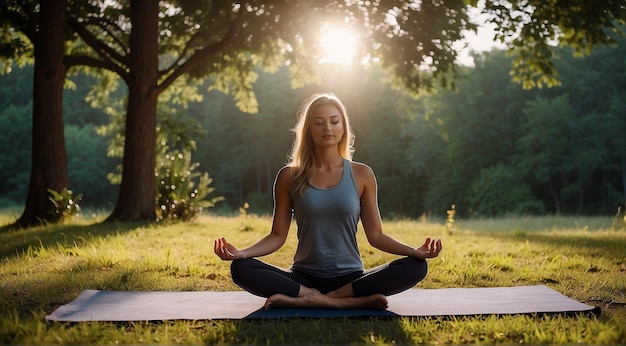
pixel 489 147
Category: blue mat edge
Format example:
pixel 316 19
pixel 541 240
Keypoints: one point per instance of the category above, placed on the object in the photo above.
pixel 317 313
pixel 286 313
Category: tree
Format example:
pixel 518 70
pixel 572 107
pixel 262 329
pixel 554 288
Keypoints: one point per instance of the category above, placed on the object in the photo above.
pixel 48 158
pixel 35 32
pixel 477 126
pixel 499 190
pixel 15 122
pixel 530 28
pixel 546 144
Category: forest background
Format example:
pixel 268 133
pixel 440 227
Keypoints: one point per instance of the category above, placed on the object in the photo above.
pixel 489 147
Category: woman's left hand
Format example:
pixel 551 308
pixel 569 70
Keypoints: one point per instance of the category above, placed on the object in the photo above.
pixel 225 250
pixel 430 249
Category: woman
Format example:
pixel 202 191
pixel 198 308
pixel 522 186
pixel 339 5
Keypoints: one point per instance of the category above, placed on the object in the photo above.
pixel 328 194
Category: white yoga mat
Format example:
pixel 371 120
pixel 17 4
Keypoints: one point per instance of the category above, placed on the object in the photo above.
pixel 94 305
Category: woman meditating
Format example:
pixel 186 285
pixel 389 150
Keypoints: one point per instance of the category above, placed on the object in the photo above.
pixel 327 193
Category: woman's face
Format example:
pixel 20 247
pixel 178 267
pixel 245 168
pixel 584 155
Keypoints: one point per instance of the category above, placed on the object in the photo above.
pixel 326 128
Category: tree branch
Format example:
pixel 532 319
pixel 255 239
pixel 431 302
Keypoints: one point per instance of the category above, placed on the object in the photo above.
pixel 201 55
pixel 19 21
pixel 181 56
pixel 104 51
pixel 106 26
pixel 85 60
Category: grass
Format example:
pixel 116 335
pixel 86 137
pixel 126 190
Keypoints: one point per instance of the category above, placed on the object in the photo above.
pixel 45 267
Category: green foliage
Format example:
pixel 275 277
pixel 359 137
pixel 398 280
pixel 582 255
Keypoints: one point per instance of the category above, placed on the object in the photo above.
pixel 65 204
pixel 17 28
pixel 181 192
pixel 499 191
pixel 16 123
pixel 531 29
pixel 88 165
pixel 239 80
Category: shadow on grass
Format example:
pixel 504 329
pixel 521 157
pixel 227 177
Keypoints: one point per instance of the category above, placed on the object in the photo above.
pixel 17 242
pixel 309 331
pixel 607 244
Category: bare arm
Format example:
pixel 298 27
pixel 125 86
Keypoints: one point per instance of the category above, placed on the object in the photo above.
pixel 372 223
pixel 280 225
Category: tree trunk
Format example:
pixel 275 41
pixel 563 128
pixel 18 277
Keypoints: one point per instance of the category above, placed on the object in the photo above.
pixel 49 157
pixel 136 201
pixel 624 180
pixel 555 195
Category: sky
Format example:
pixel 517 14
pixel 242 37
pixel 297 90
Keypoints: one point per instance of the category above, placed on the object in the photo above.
pixel 480 41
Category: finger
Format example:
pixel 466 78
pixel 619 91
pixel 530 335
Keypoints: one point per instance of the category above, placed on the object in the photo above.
pixel 432 247
pixel 436 248
pixel 221 246
pixel 215 246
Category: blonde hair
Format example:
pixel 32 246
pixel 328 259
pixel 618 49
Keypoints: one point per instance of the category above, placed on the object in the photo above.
pixel 302 158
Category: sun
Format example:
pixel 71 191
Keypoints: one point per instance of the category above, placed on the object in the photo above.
pixel 338 46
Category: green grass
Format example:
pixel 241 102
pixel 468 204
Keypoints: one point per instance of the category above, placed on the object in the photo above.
pixel 45 267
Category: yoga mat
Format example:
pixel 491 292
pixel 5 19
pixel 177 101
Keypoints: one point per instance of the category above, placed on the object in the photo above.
pixel 94 305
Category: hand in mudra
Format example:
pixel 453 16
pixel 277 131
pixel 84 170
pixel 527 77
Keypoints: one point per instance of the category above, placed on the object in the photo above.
pixel 225 250
pixel 430 249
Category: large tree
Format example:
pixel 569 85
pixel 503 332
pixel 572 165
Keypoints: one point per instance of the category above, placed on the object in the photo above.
pixel 43 26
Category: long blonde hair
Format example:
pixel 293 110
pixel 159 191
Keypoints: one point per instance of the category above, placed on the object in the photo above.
pixel 302 158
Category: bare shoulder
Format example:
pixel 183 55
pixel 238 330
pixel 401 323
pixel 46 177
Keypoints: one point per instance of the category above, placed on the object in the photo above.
pixel 282 186
pixel 284 175
pixel 361 169
pixel 286 171
pixel 363 174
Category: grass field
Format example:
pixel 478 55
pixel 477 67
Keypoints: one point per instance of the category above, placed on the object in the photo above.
pixel 45 267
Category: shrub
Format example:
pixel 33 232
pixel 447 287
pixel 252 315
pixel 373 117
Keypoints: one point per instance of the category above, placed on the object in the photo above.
pixel 179 197
pixel 499 190
pixel 65 205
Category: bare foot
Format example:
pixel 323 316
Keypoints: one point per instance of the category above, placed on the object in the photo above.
pixel 321 301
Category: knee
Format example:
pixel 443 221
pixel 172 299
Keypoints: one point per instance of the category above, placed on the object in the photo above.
pixel 418 268
pixel 240 268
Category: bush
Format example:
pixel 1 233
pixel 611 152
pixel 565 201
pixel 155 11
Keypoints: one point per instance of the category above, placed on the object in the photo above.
pixel 499 190
pixel 65 204
pixel 179 197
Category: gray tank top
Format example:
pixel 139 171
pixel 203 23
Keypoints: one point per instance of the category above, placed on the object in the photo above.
pixel 327 223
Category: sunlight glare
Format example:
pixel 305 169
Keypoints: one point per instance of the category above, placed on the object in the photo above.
pixel 338 45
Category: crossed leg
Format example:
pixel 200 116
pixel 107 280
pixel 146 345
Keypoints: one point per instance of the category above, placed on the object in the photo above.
pixel 367 291
pixel 343 298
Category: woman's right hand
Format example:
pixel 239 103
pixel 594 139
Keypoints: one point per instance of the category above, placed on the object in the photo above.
pixel 226 251
pixel 430 249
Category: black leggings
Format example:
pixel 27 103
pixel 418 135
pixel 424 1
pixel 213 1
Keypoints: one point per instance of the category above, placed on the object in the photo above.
pixel 264 280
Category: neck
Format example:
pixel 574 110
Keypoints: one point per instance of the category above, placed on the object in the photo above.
pixel 327 158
